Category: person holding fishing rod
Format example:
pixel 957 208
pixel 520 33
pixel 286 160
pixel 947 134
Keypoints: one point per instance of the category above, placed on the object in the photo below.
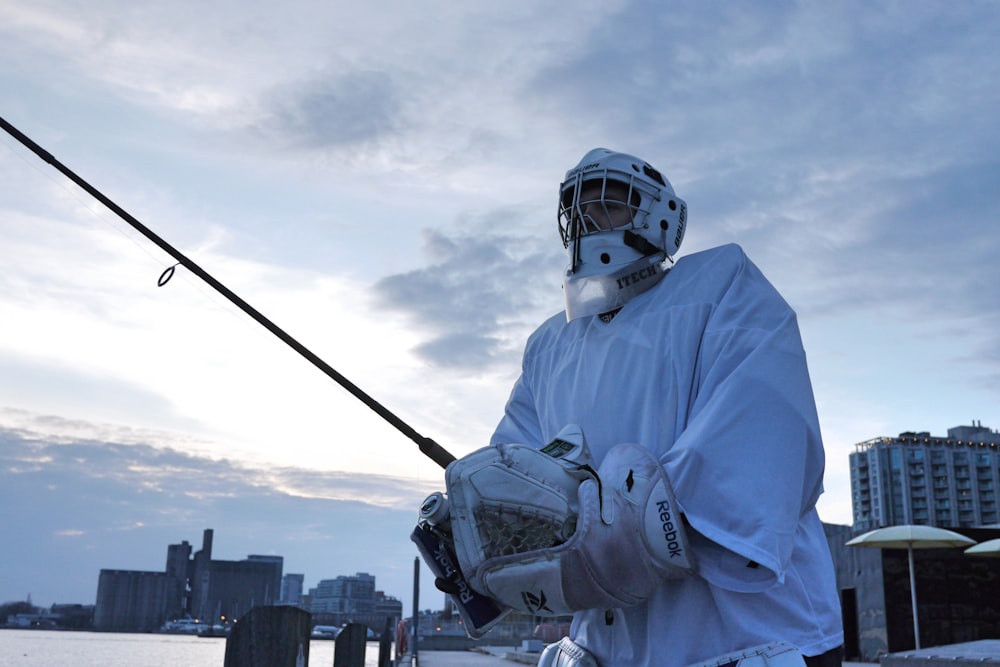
pixel 657 467
pixel 658 463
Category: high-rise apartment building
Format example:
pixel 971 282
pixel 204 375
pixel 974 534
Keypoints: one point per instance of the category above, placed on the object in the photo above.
pixel 917 478
pixel 345 594
pixel 291 588
pixel 353 599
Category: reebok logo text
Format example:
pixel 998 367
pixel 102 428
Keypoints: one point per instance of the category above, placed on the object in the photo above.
pixel 669 530
pixel 452 574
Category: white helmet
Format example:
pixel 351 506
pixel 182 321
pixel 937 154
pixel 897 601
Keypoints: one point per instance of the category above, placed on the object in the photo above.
pixel 621 223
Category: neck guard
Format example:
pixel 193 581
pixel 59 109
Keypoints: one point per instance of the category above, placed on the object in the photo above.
pixel 596 294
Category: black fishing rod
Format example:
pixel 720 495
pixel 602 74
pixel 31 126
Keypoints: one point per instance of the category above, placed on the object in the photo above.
pixel 429 447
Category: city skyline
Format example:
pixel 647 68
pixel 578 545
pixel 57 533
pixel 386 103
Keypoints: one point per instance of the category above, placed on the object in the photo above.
pixel 216 592
pixel 304 543
pixel 297 593
pixel 179 502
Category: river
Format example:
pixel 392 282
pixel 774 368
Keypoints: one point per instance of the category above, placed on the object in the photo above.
pixel 52 648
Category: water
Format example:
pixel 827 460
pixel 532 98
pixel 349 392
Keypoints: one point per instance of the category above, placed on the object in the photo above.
pixel 50 648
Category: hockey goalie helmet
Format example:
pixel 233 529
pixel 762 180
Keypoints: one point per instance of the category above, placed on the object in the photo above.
pixel 621 223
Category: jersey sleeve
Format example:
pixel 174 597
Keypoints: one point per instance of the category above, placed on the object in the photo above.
pixel 748 466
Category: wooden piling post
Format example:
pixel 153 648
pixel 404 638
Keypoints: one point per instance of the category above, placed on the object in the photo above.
pixel 385 644
pixel 349 646
pixel 270 637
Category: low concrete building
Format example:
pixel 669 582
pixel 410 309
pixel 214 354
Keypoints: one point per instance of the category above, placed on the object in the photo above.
pixel 958 595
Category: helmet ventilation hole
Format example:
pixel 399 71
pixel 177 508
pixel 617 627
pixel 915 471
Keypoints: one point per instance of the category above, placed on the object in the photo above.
pixel 664 225
pixel 672 205
pixel 605 258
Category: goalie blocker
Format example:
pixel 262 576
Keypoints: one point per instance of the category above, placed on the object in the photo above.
pixel 539 531
pixel 479 613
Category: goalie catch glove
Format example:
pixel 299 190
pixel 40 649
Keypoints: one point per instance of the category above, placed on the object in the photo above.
pixel 629 538
pixel 507 500
pixel 490 484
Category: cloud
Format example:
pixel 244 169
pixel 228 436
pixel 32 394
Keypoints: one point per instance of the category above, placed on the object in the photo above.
pixel 337 111
pixel 119 506
pixel 482 291
pixel 899 243
pixel 174 475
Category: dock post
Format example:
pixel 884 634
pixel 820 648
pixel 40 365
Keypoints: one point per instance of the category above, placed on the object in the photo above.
pixel 385 644
pixel 270 637
pixel 349 646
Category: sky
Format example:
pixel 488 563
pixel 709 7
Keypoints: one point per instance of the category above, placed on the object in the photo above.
pixel 379 180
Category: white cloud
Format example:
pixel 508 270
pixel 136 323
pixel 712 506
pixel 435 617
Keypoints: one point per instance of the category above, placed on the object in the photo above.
pixel 120 505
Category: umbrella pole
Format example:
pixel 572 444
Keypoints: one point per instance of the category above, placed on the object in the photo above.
pixel 913 597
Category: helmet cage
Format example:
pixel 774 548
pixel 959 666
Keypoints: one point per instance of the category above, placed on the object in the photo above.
pixel 595 201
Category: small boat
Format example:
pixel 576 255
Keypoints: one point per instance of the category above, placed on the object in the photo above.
pixel 324 632
pixel 213 631
pixel 181 626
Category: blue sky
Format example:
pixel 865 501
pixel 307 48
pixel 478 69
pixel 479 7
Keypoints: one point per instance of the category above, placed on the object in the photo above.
pixel 379 179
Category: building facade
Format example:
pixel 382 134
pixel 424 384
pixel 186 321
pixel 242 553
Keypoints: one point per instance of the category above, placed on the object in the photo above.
pixel 228 589
pixel 916 478
pixel 291 588
pixel 223 590
pixel 353 599
pixel 958 594
pixel 344 595
pixel 214 591
pixel 132 601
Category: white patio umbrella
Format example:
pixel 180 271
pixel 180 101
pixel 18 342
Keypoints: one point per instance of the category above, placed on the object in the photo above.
pixel 987 549
pixel 910 538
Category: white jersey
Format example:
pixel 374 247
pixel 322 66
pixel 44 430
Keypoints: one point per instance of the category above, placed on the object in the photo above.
pixel 706 370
